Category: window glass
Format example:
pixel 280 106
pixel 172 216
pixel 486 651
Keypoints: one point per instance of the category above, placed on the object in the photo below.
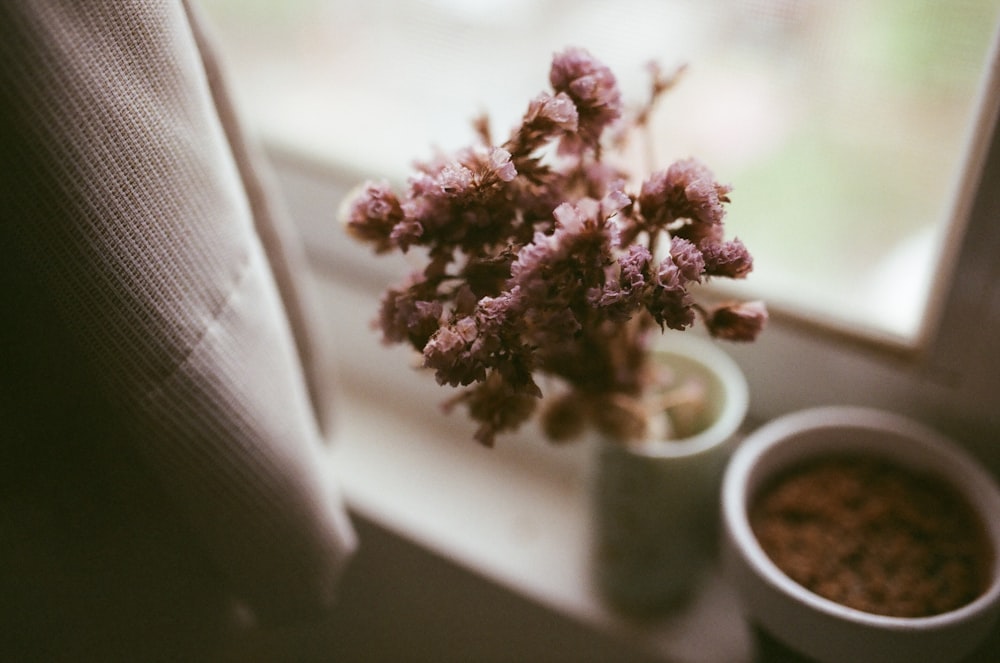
pixel 844 126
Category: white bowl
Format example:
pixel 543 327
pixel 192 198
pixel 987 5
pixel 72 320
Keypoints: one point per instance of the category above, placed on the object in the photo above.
pixel 817 627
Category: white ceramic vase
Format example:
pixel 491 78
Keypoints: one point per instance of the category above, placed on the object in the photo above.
pixel 656 504
pixel 824 630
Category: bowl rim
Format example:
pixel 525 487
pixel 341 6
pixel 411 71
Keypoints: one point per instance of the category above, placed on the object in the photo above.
pixel 981 491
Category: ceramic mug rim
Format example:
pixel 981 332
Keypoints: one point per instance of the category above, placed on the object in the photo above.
pixel 736 393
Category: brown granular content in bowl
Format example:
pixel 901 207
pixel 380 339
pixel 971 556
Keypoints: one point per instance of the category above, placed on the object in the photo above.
pixel 867 534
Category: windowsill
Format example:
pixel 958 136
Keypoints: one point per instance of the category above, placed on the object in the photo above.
pixel 516 515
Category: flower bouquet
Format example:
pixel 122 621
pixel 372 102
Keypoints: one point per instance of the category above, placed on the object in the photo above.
pixel 545 260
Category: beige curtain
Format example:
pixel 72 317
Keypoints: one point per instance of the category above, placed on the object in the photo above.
pixel 161 386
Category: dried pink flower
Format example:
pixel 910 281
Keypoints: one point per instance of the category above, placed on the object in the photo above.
pixel 688 258
pixel 500 165
pixel 686 191
pixel 405 318
pixel 594 91
pixel 498 406
pixel 728 259
pixel 540 260
pixel 451 353
pixel 552 111
pixel 671 307
pixel 741 321
pixel 373 215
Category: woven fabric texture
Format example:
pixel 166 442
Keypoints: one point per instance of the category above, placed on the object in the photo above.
pixel 152 315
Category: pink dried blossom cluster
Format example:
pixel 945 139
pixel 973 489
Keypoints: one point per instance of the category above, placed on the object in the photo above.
pixel 540 260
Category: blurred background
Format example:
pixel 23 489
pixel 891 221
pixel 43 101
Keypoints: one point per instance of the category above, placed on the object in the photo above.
pixel 844 126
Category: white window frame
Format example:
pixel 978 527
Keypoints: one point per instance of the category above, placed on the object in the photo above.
pixel 950 378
